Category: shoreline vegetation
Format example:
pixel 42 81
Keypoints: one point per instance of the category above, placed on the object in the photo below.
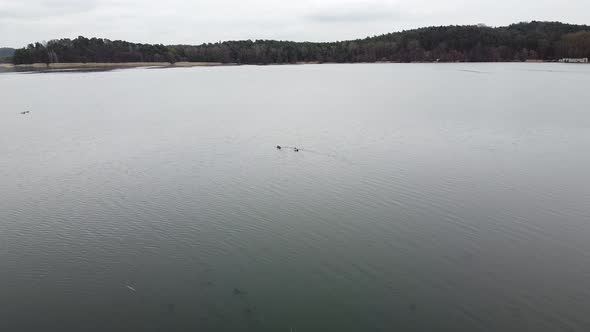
pixel 529 41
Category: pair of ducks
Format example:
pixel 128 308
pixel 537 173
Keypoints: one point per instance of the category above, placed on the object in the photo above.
pixel 294 149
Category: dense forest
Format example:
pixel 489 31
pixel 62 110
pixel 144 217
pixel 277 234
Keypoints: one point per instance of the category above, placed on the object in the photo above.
pixel 517 42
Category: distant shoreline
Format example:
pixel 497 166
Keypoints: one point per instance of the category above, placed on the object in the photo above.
pixel 107 65
pixel 6 67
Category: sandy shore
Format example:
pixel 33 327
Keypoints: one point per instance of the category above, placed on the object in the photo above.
pixel 91 66
pixel 95 65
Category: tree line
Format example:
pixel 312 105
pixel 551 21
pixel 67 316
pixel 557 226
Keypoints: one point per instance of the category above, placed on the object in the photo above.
pixel 517 42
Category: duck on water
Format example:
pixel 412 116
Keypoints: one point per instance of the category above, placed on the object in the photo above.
pixel 294 148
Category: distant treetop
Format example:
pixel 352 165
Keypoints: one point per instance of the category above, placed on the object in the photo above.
pixel 6 53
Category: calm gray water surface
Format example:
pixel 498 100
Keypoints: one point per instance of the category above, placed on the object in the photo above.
pixel 449 197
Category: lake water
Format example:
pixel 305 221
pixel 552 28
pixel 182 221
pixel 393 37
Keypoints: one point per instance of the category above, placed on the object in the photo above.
pixel 424 197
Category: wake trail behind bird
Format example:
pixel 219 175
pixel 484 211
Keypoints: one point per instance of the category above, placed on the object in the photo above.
pixel 473 71
pixel 320 153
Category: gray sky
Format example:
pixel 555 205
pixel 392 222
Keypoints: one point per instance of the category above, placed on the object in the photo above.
pixel 194 22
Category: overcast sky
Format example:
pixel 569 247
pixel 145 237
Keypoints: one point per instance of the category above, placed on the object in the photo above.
pixel 195 22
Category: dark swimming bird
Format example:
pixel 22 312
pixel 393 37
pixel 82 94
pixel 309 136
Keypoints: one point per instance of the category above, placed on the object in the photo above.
pixel 296 149
pixel 279 147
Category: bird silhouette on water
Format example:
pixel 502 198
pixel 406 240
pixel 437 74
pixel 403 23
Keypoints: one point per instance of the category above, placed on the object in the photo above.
pixel 296 149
